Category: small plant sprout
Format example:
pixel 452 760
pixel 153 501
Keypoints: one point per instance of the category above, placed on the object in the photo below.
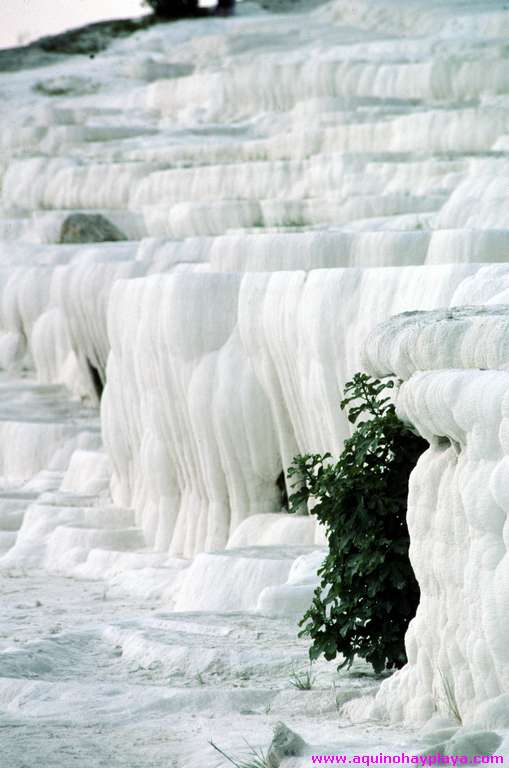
pixel 302 680
pixel 255 759
pixel 450 697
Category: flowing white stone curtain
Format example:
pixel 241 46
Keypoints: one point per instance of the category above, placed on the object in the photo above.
pixel 216 380
pixel 454 364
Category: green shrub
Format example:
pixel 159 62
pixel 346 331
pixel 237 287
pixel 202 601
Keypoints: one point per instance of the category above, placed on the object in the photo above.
pixel 179 9
pixel 368 592
pixel 173 9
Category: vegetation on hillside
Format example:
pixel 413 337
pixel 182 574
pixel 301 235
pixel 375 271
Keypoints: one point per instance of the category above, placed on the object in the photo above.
pixel 368 592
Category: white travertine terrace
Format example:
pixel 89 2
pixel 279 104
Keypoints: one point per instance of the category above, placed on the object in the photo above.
pixel 285 183
pixel 455 367
pixel 201 415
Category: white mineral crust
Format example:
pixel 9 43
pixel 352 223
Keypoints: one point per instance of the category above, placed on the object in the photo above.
pixel 284 182
pixel 455 367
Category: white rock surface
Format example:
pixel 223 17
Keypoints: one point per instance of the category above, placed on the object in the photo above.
pixel 221 401
pixel 456 392
pixel 286 182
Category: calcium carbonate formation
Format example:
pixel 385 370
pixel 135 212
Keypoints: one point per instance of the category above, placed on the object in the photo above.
pixel 278 185
pixel 454 364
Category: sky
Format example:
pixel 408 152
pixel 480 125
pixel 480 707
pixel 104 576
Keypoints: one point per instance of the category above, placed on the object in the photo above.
pixel 24 20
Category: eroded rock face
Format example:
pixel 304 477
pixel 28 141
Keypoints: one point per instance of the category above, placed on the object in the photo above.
pixel 456 394
pixel 89 228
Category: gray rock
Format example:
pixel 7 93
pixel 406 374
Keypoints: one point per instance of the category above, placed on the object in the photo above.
pixel 285 743
pixel 66 85
pixel 473 743
pixel 467 742
pixel 89 228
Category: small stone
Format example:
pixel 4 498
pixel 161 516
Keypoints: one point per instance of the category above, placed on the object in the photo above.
pixel 66 85
pixel 285 743
pixel 89 228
